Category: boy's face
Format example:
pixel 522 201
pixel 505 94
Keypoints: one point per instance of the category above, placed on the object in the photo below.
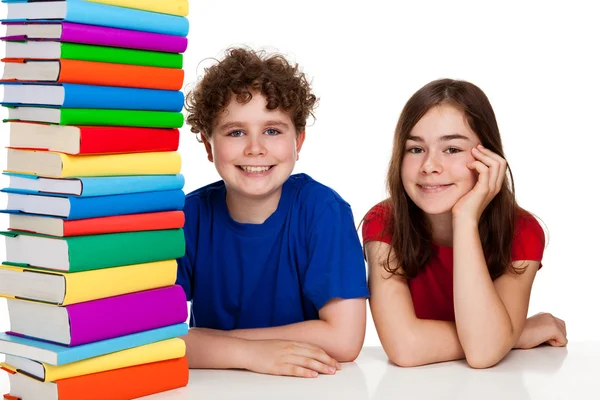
pixel 254 149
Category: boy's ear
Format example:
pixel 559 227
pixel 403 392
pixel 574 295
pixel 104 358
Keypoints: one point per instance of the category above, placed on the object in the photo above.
pixel 299 143
pixel 208 147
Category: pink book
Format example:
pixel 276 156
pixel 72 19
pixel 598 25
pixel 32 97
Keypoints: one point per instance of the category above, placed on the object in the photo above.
pixel 94 34
pixel 97 320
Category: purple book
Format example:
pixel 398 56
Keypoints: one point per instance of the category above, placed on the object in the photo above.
pixel 101 319
pixel 94 34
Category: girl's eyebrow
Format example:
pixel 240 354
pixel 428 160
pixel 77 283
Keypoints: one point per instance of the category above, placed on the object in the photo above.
pixel 444 138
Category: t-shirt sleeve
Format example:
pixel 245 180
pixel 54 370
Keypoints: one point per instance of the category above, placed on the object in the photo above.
pixel 374 225
pixel 529 240
pixel 336 268
pixel 185 264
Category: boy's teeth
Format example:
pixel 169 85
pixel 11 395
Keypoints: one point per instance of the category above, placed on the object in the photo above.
pixel 255 169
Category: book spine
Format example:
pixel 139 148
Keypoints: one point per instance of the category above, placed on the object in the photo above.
pixel 151 163
pixel 173 7
pixel 113 37
pixel 126 314
pixel 105 186
pixel 133 118
pixel 117 55
pixel 107 97
pixel 117 17
pixel 106 140
pixel 124 223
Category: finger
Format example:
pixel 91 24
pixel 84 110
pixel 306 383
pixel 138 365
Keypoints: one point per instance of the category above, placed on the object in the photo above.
pixel 502 165
pixel 296 370
pixel 492 163
pixel 483 171
pixel 318 354
pixel 311 364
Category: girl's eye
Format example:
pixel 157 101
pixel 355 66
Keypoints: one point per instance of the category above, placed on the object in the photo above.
pixel 272 132
pixel 415 150
pixel 237 133
pixel 453 150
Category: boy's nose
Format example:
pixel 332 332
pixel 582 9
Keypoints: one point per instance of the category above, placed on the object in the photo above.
pixel 255 146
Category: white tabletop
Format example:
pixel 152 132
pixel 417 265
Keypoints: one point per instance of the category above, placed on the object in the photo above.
pixel 542 373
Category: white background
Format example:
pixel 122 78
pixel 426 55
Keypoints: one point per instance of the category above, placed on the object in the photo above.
pixel 536 61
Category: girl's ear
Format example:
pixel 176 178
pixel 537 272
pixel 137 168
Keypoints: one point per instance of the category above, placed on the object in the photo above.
pixel 208 146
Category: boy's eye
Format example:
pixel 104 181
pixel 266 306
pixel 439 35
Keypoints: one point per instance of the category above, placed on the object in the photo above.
pixel 453 150
pixel 272 132
pixel 237 133
pixel 415 150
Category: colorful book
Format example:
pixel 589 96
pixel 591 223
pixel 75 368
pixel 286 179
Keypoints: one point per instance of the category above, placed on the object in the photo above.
pixel 54 226
pixel 56 354
pixel 121 384
pixel 88 96
pixel 90 252
pixel 59 165
pixel 173 7
pixel 76 287
pixel 50 50
pixel 102 117
pixel 164 350
pixel 95 320
pixel 96 35
pixel 91 139
pixel 93 186
pixel 84 12
pixel 92 73
pixel 73 207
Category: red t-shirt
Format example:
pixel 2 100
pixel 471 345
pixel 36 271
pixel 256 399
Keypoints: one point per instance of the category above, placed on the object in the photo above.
pixel 431 289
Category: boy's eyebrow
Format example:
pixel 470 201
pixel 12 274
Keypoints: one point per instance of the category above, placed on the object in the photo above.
pixel 234 124
pixel 444 138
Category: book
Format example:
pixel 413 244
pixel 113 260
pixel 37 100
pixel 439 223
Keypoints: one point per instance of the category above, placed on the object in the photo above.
pixel 50 50
pixel 96 35
pixel 56 354
pixel 84 12
pixel 174 7
pixel 85 253
pixel 92 73
pixel 63 288
pixel 121 384
pixel 149 353
pixel 91 139
pixel 93 186
pixel 95 320
pixel 58 165
pixel 88 96
pixel 102 117
pixel 54 226
pixel 78 208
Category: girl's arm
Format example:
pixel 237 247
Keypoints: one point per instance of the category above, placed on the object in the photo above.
pixel 340 331
pixel 407 340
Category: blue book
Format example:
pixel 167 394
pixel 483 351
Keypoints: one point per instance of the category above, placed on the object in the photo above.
pixel 84 12
pixel 73 207
pixel 92 186
pixel 55 354
pixel 90 96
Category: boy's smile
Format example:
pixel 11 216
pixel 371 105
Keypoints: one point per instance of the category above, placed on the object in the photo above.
pixel 254 150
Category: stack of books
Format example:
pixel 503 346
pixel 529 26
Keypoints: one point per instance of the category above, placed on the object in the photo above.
pixel 95 198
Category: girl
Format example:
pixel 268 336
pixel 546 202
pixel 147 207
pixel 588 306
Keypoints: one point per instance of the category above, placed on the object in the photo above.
pixel 451 255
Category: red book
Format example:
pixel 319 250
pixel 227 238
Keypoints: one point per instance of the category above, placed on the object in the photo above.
pixel 91 139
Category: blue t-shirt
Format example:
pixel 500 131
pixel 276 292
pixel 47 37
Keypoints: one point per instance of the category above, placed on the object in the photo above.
pixel 271 274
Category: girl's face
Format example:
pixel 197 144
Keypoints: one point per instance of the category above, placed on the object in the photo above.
pixel 434 169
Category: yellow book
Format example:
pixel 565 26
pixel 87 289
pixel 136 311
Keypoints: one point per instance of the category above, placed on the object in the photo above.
pixel 64 288
pixel 153 352
pixel 59 165
pixel 173 7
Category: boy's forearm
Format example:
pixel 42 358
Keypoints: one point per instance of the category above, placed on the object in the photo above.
pixel 317 332
pixel 207 348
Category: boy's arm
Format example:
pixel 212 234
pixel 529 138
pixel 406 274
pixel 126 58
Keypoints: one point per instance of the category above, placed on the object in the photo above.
pixel 340 331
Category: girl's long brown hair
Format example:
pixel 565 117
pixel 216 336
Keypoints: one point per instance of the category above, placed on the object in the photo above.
pixel 409 229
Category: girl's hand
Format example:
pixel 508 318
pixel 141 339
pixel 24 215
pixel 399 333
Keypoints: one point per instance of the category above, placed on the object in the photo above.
pixel 283 357
pixel 542 328
pixel 492 172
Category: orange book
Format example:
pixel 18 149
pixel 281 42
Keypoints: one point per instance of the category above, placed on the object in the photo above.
pixel 119 384
pixel 92 73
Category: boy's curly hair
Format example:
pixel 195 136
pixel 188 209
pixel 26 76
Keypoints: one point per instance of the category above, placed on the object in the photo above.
pixel 242 72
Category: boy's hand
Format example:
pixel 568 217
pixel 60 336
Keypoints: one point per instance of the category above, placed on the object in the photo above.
pixel 542 328
pixel 283 357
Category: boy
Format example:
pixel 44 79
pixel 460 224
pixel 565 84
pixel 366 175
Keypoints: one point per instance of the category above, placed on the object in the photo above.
pixel 273 267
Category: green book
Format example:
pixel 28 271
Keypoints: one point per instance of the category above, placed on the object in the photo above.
pixel 85 253
pixel 49 50
pixel 102 117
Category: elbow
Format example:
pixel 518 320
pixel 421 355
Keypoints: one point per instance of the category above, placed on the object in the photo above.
pixel 484 357
pixel 349 350
pixel 407 355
